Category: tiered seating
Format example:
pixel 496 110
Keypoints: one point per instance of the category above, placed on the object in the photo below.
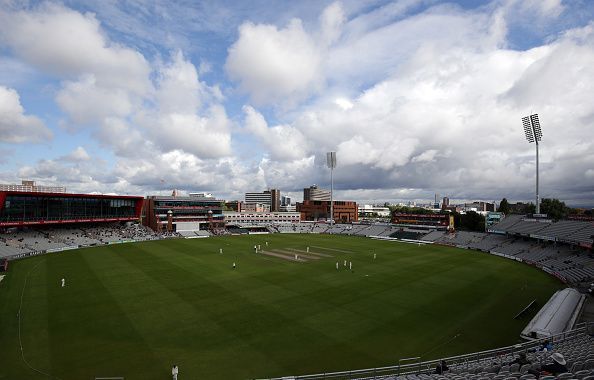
pixel 577 347
pixel 584 235
pixel 506 223
pixel 488 242
pixel 562 229
pixel 7 250
pixel 527 227
pixel 512 247
pixel 433 236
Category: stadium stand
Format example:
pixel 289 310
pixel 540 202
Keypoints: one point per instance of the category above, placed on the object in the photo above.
pixel 506 223
pixel 577 347
pixel 528 227
pixel 561 250
pixel 556 316
pixel 35 241
pixel 583 235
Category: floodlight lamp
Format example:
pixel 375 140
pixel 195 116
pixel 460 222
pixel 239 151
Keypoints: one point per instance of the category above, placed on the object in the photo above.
pixel 528 129
pixel 331 160
pixel 536 127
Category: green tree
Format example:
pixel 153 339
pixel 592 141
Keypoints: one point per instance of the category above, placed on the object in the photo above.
pixel 530 208
pixel 554 208
pixel 504 206
pixel 473 221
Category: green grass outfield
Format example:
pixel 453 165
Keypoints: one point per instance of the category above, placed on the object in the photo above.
pixel 133 310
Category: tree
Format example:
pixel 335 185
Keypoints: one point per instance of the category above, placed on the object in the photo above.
pixel 554 208
pixel 530 208
pixel 504 206
pixel 473 221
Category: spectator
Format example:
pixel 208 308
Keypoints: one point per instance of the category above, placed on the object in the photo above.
pixel 546 346
pixel 521 359
pixel 558 366
pixel 441 367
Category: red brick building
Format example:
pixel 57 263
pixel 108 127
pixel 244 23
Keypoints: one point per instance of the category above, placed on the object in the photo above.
pixel 344 211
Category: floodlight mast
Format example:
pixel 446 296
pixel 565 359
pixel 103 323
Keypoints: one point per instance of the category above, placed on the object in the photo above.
pixel 331 162
pixel 533 135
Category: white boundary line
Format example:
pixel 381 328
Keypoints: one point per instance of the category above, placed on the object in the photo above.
pixel 19 317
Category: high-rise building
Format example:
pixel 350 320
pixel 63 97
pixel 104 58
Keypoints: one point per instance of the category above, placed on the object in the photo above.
pixel 268 197
pixel 285 200
pixel 263 197
pixel 313 193
pixel 445 203
pixel 31 187
pixel 275 200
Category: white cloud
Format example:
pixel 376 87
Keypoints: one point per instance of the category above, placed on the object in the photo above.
pixel 282 142
pixel 273 64
pixel 15 126
pixel 77 155
pixel 331 22
pixel 86 102
pixel 68 43
pixel 343 103
pixel 205 137
pixel 179 87
pixel 426 156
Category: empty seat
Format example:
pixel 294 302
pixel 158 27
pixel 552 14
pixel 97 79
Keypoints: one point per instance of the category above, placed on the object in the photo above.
pixel 566 375
pixel 581 374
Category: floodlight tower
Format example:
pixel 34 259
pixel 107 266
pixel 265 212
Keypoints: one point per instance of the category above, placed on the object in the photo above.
pixel 533 135
pixel 331 162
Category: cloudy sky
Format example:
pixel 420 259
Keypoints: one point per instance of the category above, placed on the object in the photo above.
pixel 416 96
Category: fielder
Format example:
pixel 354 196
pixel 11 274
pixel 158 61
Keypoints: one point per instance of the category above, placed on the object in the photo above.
pixel 63 282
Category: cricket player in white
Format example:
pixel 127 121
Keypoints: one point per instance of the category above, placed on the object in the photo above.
pixel 221 251
pixel 174 372
pixel 350 265
pixel 337 265
pixel 63 282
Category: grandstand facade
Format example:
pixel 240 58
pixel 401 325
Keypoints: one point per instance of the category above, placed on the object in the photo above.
pixel 19 208
pixel 440 221
pixel 172 213
pixel 344 211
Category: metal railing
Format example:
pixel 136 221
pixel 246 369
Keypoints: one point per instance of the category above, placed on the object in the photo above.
pixel 458 362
